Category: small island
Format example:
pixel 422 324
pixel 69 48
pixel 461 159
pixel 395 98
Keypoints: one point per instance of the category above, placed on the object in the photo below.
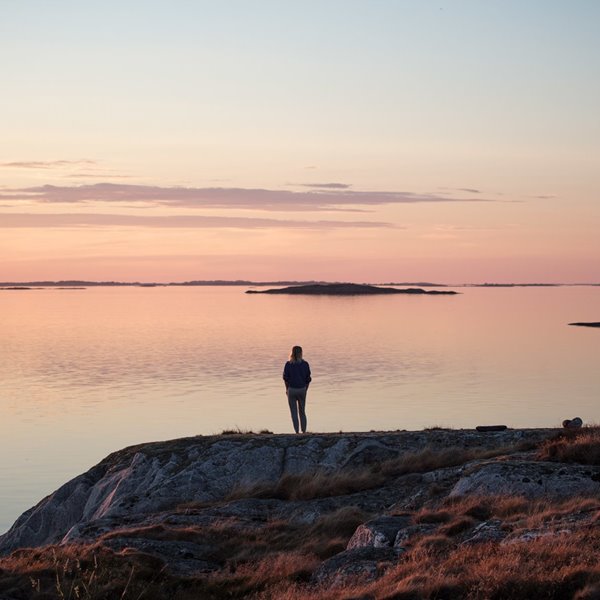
pixel 591 324
pixel 345 289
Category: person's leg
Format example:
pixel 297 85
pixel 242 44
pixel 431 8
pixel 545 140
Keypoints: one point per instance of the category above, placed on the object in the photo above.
pixel 292 401
pixel 301 407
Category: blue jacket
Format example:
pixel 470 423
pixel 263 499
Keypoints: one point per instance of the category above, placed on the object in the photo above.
pixel 296 374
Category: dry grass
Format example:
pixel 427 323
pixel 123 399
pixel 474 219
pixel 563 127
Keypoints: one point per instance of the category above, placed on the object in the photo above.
pixel 275 561
pixel 251 560
pixel 307 486
pixel 231 544
pixel 514 508
pixel 237 431
pixel 80 572
pixel 436 569
pixel 543 568
pixel 573 446
pixel 457 526
pixel 431 459
pixel 253 579
pixel 432 544
pixel 323 484
pixel 426 515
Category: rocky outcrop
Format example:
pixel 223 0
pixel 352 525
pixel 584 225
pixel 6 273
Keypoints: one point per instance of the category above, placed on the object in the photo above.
pixel 418 514
pixel 379 533
pixel 530 480
pixel 140 483
pixel 357 564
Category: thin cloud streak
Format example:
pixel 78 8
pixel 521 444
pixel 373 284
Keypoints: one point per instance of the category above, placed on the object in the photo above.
pixel 220 197
pixel 47 164
pixel 328 186
pixel 21 220
pixel 96 176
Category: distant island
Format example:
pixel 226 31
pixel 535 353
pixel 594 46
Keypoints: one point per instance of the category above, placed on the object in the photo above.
pixel 591 324
pixel 345 289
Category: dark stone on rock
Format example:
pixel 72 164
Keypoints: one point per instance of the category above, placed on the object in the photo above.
pixel 575 423
pixel 491 427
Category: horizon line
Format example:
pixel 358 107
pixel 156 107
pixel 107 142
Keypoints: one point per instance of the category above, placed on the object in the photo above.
pixel 242 282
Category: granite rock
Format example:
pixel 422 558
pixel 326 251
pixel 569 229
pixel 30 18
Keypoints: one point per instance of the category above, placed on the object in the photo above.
pixel 529 479
pixel 141 482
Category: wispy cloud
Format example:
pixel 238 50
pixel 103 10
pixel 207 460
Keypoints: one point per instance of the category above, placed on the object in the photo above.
pixel 96 176
pixel 468 190
pixel 221 197
pixel 47 164
pixel 19 220
pixel 449 232
pixel 327 186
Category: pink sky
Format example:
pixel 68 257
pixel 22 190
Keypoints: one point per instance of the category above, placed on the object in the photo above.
pixel 325 231
pixel 408 141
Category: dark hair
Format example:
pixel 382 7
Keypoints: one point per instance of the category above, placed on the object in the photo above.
pixel 296 354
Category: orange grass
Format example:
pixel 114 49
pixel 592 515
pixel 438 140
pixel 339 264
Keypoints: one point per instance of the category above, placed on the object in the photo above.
pixel 277 560
pixel 574 446
pixel 233 544
pixel 542 568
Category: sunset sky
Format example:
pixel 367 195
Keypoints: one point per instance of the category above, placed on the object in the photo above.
pixel 383 140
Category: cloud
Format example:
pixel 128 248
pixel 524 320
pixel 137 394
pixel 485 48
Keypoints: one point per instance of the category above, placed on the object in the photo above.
pixel 329 186
pixel 47 164
pixel 221 197
pixel 462 189
pixel 19 220
pixel 96 176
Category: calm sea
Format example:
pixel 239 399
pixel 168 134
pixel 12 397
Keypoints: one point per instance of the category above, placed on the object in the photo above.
pixel 86 372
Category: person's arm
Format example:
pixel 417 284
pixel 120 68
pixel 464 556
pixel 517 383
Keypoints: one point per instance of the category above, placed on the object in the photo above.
pixel 286 377
pixel 308 377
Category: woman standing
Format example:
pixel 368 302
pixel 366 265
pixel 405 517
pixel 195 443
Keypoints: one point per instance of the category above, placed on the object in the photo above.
pixel 296 375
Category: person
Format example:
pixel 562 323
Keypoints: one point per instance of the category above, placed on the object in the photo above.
pixel 296 375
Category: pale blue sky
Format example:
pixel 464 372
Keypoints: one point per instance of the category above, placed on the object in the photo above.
pixel 518 74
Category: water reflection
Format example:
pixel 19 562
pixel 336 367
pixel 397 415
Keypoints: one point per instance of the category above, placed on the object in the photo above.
pixel 84 374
